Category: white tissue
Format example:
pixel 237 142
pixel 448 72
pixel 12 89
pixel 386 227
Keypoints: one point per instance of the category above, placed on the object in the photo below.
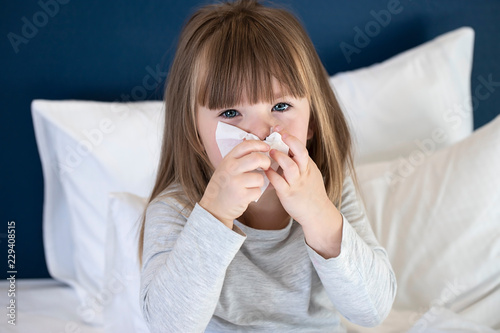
pixel 228 137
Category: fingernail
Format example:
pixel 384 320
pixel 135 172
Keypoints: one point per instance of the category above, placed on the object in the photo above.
pixel 278 128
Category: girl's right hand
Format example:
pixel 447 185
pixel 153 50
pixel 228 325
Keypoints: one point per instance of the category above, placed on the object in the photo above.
pixel 233 185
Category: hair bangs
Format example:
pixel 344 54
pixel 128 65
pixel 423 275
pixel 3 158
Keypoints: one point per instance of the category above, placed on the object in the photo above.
pixel 240 61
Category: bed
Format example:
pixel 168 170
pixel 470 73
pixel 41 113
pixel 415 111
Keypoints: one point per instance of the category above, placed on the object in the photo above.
pixel 423 109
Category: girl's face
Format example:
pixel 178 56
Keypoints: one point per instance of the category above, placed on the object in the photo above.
pixel 292 114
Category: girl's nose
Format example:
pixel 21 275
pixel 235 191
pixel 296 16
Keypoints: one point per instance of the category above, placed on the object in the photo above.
pixel 262 128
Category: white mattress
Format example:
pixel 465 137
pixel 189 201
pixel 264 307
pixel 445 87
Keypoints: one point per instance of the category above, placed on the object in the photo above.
pixel 43 306
pixel 49 306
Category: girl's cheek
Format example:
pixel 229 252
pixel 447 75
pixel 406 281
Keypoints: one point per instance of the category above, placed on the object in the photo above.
pixel 213 153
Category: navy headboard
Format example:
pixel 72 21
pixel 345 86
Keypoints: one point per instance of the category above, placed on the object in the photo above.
pixel 102 50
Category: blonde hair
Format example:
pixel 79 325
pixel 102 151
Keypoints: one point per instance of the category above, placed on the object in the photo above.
pixel 230 50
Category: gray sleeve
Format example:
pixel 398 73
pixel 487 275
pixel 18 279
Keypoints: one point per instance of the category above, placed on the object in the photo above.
pixel 184 265
pixel 360 281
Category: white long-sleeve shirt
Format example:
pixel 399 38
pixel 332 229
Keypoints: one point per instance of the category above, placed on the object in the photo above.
pixel 198 275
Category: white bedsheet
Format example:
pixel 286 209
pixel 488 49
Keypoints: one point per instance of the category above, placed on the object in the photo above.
pixel 435 320
pixel 49 306
pixel 43 306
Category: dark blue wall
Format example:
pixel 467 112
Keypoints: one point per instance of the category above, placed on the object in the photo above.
pixel 100 50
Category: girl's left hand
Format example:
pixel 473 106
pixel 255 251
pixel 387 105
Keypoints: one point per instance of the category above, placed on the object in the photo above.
pixel 301 189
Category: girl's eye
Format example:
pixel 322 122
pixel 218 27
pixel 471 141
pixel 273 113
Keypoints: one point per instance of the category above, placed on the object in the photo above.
pixel 280 107
pixel 229 114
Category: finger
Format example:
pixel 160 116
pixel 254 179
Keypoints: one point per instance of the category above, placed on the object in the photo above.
pixel 290 168
pixel 247 147
pixel 279 183
pixel 298 150
pixel 249 162
pixel 245 195
pixel 252 179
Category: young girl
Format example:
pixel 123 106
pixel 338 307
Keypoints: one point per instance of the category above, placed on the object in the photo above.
pixel 216 259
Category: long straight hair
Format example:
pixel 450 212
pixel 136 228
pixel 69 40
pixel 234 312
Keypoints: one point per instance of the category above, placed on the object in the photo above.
pixel 235 49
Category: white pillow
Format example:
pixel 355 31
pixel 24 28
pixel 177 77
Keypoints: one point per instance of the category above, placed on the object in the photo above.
pixel 439 221
pixel 89 149
pixel 415 97
pixel 122 312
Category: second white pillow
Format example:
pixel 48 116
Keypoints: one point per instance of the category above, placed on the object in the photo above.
pixel 419 99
